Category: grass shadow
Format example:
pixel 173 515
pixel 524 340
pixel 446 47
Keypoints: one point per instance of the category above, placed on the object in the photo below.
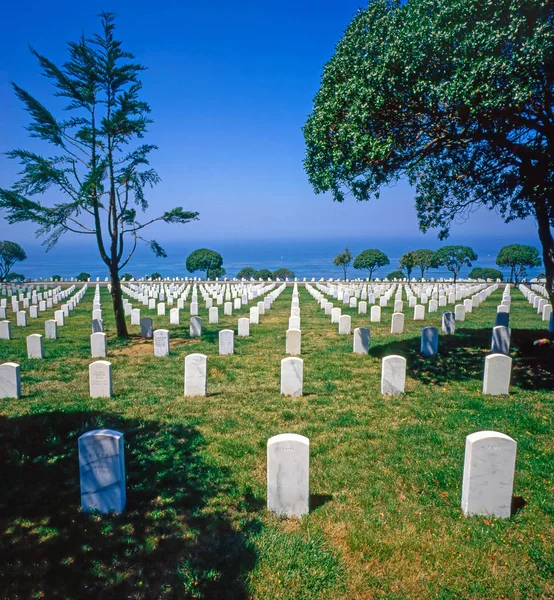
pixel 172 541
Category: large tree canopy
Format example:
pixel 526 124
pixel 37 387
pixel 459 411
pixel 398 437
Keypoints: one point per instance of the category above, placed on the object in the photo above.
pixel 206 260
pixel 453 258
pixel 95 179
pixel 455 95
pixel 371 260
pixel 10 253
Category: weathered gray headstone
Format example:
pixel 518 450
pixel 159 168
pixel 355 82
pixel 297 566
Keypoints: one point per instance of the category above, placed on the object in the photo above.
pixel 500 343
pixel 294 342
pixel 288 475
pixel 35 348
pixel 292 376
pixel 244 327
pixel 100 379
pixel 195 329
pixel 10 380
pixel 146 328
pixel 498 369
pixel 361 340
pixel 102 471
pixel 99 345
pixel 448 323
pixel 393 374
pixel 97 326
pixel 488 481
pixel 196 366
pixel 429 341
pixel 226 341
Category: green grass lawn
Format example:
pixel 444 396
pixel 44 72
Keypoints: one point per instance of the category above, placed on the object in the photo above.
pixel 385 472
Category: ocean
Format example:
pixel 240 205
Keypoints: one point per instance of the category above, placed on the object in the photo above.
pixel 305 257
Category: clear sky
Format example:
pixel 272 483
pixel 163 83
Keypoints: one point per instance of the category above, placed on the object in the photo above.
pixel 230 85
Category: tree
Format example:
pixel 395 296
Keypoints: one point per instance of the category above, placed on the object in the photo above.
pixel 395 275
pixel 264 274
pixel 453 258
pixel 424 260
pixel 215 272
pixel 408 261
pixel 517 257
pixel 485 273
pixel 247 273
pixel 283 274
pixel 127 276
pixel 83 276
pixel 17 277
pixel 99 168
pixel 56 277
pixel 371 260
pixel 204 260
pixel 10 253
pixel 343 259
pixel 455 95
pixel 155 276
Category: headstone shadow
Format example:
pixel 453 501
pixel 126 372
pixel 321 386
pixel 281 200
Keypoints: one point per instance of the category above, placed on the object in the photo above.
pixel 171 541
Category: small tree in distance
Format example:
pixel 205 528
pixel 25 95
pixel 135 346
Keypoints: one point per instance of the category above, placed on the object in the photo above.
pixel 371 260
pixel 343 260
pixel 155 276
pixel 517 257
pixel 17 277
pixel 485 273
pixel 205 260
pixel 408 261
pixel 247 273
pixel 283 274
pixel 264 274
pixel 453 258
pixel 83 276
pixel 396 275
pixel 424 260
pixel 10 253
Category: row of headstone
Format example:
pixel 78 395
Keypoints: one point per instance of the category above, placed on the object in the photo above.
pixel 487 484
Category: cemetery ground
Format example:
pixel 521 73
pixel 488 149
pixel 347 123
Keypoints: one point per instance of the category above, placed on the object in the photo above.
pixel 385 471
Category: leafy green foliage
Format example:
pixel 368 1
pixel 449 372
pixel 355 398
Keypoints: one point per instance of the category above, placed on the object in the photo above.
pixel 408 261
pixel 517 257
pixel 264 274
pixel 455 95
pixel 283 274
pixel 485 273
pixel 343 260
pixel 56 277
pixel 396 275
pixel 424 260
pixel 99 167
pixel 371 260
pixel 16 277
pixel 83 276
pixel 453 258
pixel 10 253
pixel 247 273
pixel 155 276
pixel 215 272
pixel 127 276
pixel 206 260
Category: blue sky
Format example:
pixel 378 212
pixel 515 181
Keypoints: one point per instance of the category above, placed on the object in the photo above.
pixel 230 85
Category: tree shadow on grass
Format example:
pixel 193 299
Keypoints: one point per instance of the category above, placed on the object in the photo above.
pixel 173 540
pixel 462 357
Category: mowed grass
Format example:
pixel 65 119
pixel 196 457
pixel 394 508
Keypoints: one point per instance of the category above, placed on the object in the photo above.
pixel 385 472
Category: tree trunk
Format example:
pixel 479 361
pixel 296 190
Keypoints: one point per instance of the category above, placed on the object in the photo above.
pixel 547 241
pixel 117 298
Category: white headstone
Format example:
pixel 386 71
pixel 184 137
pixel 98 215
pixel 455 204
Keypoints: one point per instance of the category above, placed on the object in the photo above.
pixel 213 315
pixel 226 341
pixel 196 366
pixel 393 374
pixel 5 330
pixel 99 345
pixel 294 342
pixel 498 368
pixel 102 471
pixel 100 379
pixel 244 327
pixel 292 376
pixel 375 314
pixel 397 323
pixel 361 340
pixel 345 322
pixel 488 480
pixel 161 342
pixel 195 327
pixel 288 475
pixel 10 380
